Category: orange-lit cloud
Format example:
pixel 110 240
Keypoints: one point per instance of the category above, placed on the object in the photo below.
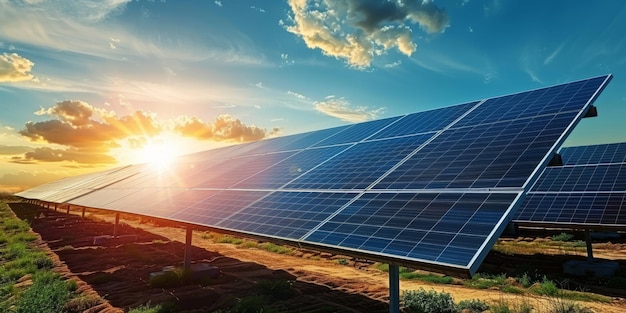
pixel 225 128
pixel 343 110
pixel 89 134
pixel 46 154
pixel 77 127
pixel 14 68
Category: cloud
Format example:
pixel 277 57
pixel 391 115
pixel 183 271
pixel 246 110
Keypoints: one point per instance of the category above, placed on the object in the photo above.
pixel 295 94
pixel 76 126
pixel 14 182
pixel 47 154
pixel 343 110
pixel 224 128
pixel 14 68
pixel 13 150
pixel 358 30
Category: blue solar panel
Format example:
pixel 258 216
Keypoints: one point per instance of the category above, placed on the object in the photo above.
pixel 311 138
pixel 436 227
pixel 590 194
pixel 357 132
pixel 216 206
pixel 233 171
pixel 577 208
pixel 359 166
pixel 435 188
pixel 423 122
pixel 583 178
pixel 483 156
pixel 552 100
pixel 287 215
pixel 283 172
pixel 594 154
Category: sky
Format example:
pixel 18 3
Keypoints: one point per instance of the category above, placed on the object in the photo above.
pixel 90 85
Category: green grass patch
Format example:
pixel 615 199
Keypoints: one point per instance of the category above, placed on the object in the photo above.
pixel 166 307
pixel 486 281
pixel 228 239
pixel 562 237
pixel 48 294
pixel 248 244
pixel 274 248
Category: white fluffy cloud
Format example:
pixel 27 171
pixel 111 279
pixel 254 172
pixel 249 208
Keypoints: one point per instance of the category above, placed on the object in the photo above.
pixel 358 30
pixel 343 110
pixel 14 68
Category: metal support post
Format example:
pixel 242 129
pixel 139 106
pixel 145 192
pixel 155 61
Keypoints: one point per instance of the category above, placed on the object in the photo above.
pixel 187 257
pixel 589 247
pixel 394 288
pixel 117 221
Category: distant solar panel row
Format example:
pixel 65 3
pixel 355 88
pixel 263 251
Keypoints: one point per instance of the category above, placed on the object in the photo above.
pixel 588 191
pixel 434 188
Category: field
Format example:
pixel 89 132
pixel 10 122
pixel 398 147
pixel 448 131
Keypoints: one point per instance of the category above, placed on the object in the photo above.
pixel 256 276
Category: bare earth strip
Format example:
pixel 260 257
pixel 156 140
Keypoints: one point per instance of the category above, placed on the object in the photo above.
pixel 119 269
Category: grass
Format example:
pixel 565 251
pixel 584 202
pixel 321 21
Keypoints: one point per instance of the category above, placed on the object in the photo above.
pixel 158 308
pixel 409 274
pixel 228 239
pixel 274 248
pixel 22 260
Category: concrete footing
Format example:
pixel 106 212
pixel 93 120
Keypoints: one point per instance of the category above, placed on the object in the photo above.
pixel 605 269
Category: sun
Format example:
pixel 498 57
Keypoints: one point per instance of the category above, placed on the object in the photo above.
pixel 158 152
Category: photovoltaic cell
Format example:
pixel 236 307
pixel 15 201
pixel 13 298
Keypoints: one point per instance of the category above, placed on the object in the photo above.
pixel 357 132
pixel 423 122
pixel 281 173
pixel 576 208
pixel 233 171
pixel 552 100
pixel 436 227
pixel 587 192
pixel 500 154
pixel 359 166
pixel 583 178
pixel 217 206
pixel 311 138
pixel 287 215
pixel 594 154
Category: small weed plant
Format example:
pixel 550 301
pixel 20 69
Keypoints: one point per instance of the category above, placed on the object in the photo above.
pixel 431 301
pixel 562 237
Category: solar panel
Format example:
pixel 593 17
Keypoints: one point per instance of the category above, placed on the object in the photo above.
pixel 287 215
pixel 588 191
pixel 594 154
pixel 434 188
pixel 424 122
pixel 360 165
pixel 437 227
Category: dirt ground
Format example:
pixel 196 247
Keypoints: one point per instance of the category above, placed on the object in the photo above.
pixel 118 270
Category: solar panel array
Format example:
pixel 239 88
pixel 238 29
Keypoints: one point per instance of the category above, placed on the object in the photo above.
pixel 433 188
pixel 588 191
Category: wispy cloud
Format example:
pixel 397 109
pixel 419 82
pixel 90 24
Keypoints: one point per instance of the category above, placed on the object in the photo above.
pixel 554 54
pixel 345 111
pixel 358 30
pixel 14 68
pixel 295 94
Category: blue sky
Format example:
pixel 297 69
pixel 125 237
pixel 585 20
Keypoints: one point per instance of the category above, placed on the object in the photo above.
pixel 87 85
